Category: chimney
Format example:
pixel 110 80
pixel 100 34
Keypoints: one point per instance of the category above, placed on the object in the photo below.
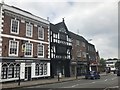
pixel 63 19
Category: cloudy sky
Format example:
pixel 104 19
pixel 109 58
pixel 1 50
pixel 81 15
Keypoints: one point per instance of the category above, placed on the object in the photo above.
pixel 92 19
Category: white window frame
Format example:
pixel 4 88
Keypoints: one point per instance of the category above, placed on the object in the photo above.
pixel 17 48
pixel 42 29
pixel 27 30
pixel 31 50
pixel 38 49
pixel 17 26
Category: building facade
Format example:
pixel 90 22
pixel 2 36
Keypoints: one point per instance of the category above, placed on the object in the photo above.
pixel 93 57
pixel 79 55
pixel 24 45
pixel 110 64
pixel 60 44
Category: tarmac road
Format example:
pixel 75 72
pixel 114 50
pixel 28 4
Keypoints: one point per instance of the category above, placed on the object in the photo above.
pixel 108 81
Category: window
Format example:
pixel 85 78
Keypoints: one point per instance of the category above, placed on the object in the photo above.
pixel 4 71
pixel 29 29
pixel 40 33
pixel 17 71
pixel 84 54
pixel 14 26
pixel 77 42
pixel 40 50
pixel 83 44
pixel 41 69
pixel 37 69
pixel 28 49
pixel 45 68
pixel 13 48
pixel 11 71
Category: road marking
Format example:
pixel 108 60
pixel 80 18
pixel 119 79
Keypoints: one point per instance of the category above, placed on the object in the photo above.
pixel 105 79
pixel 93 82
pixel 114 78
pixel 108 88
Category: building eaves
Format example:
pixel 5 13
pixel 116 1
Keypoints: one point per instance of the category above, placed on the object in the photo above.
pixel 23 12
pixel 77 37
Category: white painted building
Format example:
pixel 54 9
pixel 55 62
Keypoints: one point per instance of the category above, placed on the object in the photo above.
pixel 111 64
pixel 24 45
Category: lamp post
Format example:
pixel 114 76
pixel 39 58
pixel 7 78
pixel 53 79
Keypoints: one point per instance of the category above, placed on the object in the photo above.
pixel 88 62
pixel 76 68
pixel 19 77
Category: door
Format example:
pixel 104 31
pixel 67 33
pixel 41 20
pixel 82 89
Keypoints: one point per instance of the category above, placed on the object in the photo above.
pixel 28 73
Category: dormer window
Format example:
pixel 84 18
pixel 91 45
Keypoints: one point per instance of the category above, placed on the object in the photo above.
pixel 14 26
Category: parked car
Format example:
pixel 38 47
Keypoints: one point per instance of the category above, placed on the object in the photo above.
pixel 92 75
pixel 118 72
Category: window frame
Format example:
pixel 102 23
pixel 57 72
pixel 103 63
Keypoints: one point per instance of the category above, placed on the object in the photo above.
pixel 10 47
pixel 12 25
pixel 30 29
pixel 39 50
pixel 43 31
pixel 31 50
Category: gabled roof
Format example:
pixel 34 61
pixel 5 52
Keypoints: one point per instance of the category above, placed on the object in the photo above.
pixel 56 27
pixel 77 37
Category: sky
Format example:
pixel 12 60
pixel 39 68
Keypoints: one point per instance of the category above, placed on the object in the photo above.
pixel 92 19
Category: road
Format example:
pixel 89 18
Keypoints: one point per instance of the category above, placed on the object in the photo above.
pixel 108 81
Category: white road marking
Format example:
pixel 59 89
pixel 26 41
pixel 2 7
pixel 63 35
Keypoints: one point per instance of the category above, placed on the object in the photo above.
pixel 105 79
pixel 114 78
pixel 93 82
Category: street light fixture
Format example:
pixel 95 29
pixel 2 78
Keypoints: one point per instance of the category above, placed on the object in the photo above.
pixel 88 62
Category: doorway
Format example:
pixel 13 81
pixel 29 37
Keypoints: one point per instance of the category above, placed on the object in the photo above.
pixel 28 73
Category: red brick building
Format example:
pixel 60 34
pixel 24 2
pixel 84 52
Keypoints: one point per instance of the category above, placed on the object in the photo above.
pixel 24 45
pixel 79 58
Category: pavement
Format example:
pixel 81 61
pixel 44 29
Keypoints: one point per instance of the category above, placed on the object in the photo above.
pixel 14 85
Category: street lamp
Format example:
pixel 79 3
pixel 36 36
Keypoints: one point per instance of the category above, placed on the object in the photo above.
pixel 88 62
pixel 19 77
pixel 76 68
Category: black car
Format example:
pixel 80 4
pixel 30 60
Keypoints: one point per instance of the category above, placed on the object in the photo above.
pixel 92 75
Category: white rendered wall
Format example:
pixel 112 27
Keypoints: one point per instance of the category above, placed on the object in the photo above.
pixel 22 71
pixel 0 70
pixel 33 70
pixel 48 69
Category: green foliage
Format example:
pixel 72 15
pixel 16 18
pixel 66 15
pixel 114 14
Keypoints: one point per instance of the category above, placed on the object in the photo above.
pixel 117 64
pixel 102 62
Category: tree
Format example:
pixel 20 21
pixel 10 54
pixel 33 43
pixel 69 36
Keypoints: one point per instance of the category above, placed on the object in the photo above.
pixel 117 65
pixel 102 62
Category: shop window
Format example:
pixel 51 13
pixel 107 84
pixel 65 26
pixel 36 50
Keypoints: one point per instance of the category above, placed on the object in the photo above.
pixel 45 68
pixel 41 69
pixel 17 71
pixel 4 71
pixel 11 71
pixel 37 69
